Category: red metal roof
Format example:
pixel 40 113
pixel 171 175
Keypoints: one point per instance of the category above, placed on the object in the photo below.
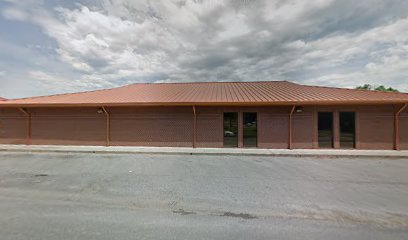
pixel 214 93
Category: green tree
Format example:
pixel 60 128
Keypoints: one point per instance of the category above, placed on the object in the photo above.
pixel 365 87
pixel 377 88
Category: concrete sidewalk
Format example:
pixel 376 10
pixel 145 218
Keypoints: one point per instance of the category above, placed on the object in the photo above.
pixel 208 151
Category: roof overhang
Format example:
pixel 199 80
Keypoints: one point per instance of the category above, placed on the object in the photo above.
pixel 206 104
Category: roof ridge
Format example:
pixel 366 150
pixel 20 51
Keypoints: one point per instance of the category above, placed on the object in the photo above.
pixel 199 92
pixel 141 83
pixel 212 82
pixel 63 94
pixel 353 89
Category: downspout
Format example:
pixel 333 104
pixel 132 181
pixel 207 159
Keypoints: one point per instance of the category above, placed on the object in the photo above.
pixel 290 126
pixel 396 126
pixel 28 115
pixel 107 126
pixel 194 127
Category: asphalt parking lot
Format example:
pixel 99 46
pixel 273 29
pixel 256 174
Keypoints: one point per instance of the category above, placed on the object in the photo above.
pixel 142 196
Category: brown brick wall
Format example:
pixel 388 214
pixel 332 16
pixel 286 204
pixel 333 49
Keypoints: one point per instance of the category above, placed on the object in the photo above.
pixel 303 129
pixel 173 126
pixel 376 127
pixel 274 127
pixel 152 126
pixel 13 127
pixel 209 127
pixel 67 126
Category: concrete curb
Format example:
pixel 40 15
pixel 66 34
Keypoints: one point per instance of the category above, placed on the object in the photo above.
pixel 389 154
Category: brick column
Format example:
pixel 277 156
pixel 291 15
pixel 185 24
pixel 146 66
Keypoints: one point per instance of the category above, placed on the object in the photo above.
pixel 336 129
pixel 240 130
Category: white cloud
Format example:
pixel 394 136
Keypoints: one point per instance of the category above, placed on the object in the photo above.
pixel 385 65
pixel 41 75
pixel 57 83
pixel 325 42
pixel 14 14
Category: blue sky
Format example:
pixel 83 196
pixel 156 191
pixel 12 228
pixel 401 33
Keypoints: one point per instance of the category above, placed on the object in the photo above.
pixel 49 47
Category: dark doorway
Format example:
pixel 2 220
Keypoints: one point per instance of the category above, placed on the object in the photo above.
pixel 325 129
pixel 250 129
pixel 230 129
pixel 347 130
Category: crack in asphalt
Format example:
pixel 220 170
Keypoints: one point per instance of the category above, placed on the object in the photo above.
pixel 386 220
pixel 183 212
pixel 238 215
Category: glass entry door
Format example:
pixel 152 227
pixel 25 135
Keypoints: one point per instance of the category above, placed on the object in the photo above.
pixel 347 130
pixel 325 129
pixel 250 129
pixel 230 129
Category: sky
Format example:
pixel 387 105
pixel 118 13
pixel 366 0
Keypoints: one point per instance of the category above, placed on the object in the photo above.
pixel 60 46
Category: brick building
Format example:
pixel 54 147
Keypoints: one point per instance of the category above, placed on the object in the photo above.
pixel 275 114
